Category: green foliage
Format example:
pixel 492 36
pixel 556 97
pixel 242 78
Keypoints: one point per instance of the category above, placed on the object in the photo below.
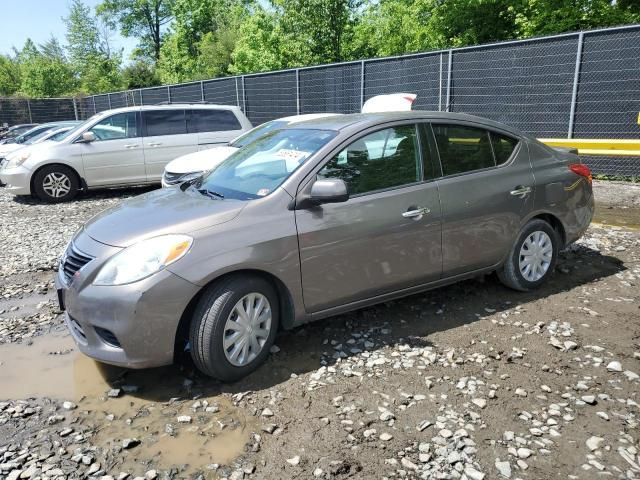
pixel 47 77
pixel 96 66
pixel 144 19
pixel 140 74
pixel 9 75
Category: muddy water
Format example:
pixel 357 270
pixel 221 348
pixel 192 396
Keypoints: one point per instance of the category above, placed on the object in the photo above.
pixel 618 217
pixel 147 410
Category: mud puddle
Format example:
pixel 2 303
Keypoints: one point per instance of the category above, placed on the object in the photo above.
pixel 618 217
pixel 151 408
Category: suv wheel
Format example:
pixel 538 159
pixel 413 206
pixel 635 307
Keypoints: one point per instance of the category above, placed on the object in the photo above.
pixel 56 183
pixel 233 327
pixel 532 258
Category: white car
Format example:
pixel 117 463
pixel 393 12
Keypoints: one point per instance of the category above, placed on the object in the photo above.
pixel 124 146
pixel 195 164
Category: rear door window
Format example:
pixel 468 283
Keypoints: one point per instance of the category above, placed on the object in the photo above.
pixel 503 147
pixel 463 149
pixel 165 122
pixel 207 120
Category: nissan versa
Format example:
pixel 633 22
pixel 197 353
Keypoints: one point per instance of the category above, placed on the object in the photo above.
pixel 316 219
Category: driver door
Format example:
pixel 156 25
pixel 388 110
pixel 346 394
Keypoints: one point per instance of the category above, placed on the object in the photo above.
pixel 386 237
pixel 116 156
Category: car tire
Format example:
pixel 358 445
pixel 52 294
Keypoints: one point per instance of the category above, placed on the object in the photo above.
pixel 55 184
pixel 217 319
pixel 542 241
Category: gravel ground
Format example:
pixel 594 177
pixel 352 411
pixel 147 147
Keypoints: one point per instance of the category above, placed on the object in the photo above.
pixel 471 381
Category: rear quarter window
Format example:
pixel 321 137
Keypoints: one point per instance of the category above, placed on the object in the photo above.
pixel 206 120
pixel 463 149
pixel 503 147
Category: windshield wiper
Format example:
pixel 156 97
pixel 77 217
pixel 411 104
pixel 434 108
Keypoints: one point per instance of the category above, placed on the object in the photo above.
pixel 211 193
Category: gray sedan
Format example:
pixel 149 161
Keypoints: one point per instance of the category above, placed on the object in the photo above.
pixel 314 220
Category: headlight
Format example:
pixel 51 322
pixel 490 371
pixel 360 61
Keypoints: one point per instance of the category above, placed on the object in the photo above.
pixel 143 259
pixel 17 159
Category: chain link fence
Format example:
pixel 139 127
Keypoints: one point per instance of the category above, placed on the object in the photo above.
pixel 575 85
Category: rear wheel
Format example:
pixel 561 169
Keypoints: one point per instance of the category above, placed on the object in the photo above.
pixel 233 327
pixel 532 258
pixel 56 183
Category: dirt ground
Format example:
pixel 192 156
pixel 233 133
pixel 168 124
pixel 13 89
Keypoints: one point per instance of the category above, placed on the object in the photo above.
pixel 471 381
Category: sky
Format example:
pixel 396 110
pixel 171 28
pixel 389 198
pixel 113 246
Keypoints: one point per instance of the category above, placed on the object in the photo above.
pixel 39 20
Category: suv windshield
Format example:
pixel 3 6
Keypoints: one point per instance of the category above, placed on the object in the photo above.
pixel 260 167
pixel 257 132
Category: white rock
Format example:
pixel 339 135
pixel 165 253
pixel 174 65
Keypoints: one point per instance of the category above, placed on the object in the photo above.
pixel 593 443
pixel 480 402
pixel 614 366
pixel 524 453
pixel 385 437
pixel 267 412
pixel 504 468
pixel 294 460
pixel 521 392
pixel 184 419
pixel 473 474
pixel 318 472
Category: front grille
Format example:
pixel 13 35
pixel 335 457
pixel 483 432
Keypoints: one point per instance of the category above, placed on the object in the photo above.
pixel 73 261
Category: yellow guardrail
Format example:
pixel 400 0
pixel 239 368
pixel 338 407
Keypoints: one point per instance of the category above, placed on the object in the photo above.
pixel 596 146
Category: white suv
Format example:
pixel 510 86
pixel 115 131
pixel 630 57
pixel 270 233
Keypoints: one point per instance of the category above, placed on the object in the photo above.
pixel 125 146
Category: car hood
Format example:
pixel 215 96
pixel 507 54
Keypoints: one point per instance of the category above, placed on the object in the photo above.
pixel 9 147
pixel 164 211
pixel 200 161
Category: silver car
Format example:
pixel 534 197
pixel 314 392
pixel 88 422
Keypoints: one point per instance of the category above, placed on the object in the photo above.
pixel 314 220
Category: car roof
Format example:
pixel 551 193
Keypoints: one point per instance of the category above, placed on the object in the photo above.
pixel 171 106
pixel 365 120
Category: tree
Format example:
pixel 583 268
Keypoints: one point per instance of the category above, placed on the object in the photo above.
pixel 140 74
pixel 96 66
pixel 9 75
pixel 144 19
pixel 46 77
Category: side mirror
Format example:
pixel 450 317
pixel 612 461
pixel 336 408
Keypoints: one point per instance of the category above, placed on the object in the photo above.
pixel 88 137
pixel 329 190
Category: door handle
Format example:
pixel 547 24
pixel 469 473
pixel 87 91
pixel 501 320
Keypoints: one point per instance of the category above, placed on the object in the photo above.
pixel 153 144
pixel 520 191
pixel 131 145
pixel 418 212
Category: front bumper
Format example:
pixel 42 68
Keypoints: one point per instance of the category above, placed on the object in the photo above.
pixel 141 319
pixel 17 180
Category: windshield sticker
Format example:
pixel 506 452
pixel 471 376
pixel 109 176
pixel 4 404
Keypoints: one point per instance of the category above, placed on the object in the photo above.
pixel 296 155
pixel 263 192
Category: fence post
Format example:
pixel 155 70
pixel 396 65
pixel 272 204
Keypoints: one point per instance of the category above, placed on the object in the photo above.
pixel 109 100
pixel 237 93
pixel 202 90
pixel 75 108
pixel 447 105
pixel 361 84
pixel 440 86
pixel 297 91
pixel 95 110
pixel 576 80
pixel 29 109
pixel 244 98
pixel 168 94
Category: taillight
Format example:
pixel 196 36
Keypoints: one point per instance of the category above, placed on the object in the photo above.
pixel 582 170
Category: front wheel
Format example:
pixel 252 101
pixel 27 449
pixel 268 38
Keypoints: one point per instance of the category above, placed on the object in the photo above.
pixel 233 327
pixel 55 183
pixel 532 258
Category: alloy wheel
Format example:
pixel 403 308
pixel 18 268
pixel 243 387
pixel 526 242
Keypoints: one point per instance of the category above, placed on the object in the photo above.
pixel 56 184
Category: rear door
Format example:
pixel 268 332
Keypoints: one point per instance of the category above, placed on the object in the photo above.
pixel 485 191
pixel 165 139
pixel 213 127
pixel 116 156
pixel 386 237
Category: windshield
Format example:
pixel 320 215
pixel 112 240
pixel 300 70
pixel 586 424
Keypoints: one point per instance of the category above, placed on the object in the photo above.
pixel 77 128
pixel 260 167
pixel 257 132
pixel 38 137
